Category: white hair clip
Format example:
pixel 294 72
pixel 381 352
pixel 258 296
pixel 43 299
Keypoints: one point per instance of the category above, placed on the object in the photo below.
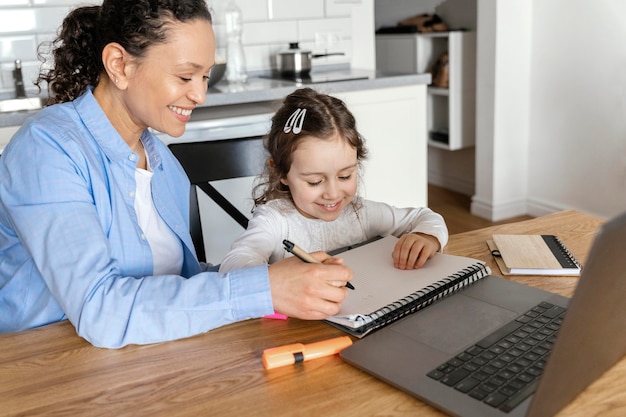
pixel 295 121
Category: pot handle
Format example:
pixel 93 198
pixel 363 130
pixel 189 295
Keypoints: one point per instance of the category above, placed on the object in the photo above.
pixel 322 55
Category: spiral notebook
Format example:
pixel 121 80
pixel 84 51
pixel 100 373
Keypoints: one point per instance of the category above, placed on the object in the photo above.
pixel 533 255
pixel 384 294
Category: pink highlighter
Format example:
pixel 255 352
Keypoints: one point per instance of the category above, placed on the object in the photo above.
pixel 276 316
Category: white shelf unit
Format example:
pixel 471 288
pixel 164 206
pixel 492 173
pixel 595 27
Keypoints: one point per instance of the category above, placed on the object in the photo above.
pixel 450 110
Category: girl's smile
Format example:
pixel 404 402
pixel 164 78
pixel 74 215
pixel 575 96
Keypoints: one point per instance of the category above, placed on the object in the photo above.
pixel 323 177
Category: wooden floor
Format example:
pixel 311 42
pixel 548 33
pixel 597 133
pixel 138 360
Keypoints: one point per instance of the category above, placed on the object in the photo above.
pixel 455 209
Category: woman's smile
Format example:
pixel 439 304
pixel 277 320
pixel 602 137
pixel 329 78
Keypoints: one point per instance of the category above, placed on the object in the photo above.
pixel 182 114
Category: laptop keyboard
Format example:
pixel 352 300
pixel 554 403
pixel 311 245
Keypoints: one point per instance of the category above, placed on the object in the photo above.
pixel 503 369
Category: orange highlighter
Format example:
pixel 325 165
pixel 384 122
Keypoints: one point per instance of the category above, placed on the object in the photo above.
pixel 297 352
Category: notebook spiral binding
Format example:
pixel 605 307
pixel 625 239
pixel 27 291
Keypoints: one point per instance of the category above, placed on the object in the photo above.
pixel 567 258
pixel 422 298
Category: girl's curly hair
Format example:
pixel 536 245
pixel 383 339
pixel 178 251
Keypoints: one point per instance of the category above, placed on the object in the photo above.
pixel 325 116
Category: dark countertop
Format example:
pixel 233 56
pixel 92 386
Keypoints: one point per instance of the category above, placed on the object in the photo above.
pixel 261 89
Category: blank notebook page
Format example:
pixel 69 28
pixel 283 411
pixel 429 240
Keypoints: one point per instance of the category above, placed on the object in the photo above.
pixel 378 283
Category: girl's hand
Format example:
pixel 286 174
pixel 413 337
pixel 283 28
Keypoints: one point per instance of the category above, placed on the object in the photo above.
pixel 413 250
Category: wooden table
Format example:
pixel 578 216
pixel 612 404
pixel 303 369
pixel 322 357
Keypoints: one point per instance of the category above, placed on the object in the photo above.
pixel 51 371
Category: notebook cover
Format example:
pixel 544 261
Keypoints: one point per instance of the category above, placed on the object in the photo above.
pixel 533 255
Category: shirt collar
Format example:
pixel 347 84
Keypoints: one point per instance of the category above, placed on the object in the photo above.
pixel 109 140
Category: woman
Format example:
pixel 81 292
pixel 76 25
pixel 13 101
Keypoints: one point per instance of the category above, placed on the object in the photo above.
pixel 94 209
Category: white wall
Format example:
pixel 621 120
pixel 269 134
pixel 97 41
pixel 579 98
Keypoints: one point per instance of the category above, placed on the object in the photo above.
pixel 574 120
pixel 577 154
pixel 318 25
pixel 268 26
pixel 502 108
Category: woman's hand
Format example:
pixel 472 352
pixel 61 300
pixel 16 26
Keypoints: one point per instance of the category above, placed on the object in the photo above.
pixel 306 290
pixel 413 250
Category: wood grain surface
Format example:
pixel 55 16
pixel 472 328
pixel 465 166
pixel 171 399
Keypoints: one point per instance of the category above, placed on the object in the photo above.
pixel 51 371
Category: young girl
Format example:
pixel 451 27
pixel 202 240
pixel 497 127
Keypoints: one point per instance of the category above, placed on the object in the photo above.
pixel 307 193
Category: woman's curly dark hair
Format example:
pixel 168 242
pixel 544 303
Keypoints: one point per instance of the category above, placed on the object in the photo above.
pixel 325 116
pixel 135 24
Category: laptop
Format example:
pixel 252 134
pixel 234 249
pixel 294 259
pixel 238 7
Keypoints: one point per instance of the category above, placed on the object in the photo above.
pixel 500 348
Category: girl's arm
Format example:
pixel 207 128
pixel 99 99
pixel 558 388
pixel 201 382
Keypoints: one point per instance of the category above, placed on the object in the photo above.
pixel 257 244
pixel 384 219
pixel 421 232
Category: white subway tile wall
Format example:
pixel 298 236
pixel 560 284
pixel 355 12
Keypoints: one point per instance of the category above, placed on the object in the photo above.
pixel 322 26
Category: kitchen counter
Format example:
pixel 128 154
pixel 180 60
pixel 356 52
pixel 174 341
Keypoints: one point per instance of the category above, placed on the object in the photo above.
pixel 260 89
pixel 266 89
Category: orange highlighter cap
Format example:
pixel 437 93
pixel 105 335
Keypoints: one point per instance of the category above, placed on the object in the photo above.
pixel 298 352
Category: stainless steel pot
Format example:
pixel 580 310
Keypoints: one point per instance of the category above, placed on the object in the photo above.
pixel 295 61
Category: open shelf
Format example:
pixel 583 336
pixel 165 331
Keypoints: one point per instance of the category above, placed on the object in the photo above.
pixel 450 110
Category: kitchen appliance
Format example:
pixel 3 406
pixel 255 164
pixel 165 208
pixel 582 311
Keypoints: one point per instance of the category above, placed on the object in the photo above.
pixel 297 62
pixel 217 73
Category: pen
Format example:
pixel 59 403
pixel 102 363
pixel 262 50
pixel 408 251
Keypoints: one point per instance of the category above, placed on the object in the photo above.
pixel 298 352
pixel 305 256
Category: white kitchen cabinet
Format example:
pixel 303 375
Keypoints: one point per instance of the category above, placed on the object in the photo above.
pixel 393 123
pixel 451 111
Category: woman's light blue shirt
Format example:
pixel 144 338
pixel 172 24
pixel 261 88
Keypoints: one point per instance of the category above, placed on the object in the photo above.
pixel 71 247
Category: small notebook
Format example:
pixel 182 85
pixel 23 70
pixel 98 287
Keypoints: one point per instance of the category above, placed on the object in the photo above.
pixel 384 294
pixel 533 255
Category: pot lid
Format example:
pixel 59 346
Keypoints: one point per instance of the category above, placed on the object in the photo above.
pixel 294 48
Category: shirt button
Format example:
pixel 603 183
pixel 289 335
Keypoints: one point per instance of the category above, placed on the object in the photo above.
pixel 131 194
pixel 143 237
pixel 132 157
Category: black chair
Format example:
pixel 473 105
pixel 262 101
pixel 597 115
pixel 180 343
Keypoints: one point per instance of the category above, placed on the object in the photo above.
pixel 213 161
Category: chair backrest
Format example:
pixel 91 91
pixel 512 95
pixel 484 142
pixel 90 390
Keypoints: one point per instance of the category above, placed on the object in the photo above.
pixel 213 161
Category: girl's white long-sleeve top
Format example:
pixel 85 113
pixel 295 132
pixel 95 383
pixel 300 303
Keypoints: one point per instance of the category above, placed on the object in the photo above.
pixel 276 220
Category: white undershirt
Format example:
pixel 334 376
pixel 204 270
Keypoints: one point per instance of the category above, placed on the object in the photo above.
pixel 167 250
